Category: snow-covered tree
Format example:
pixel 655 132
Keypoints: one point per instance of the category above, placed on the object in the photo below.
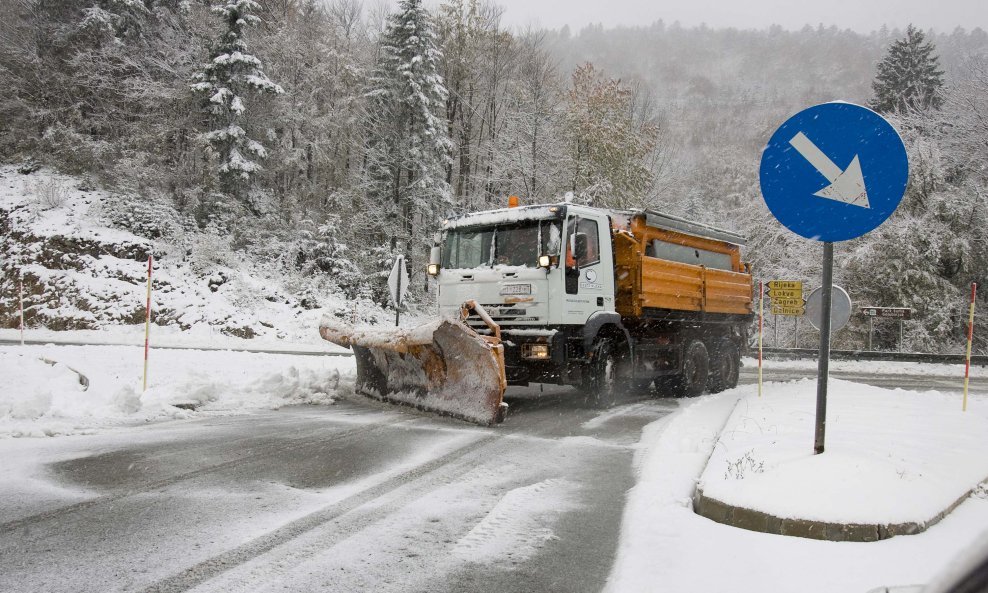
pixel 231 73
pixel 909 77
pixel 611 151
pixel 408 144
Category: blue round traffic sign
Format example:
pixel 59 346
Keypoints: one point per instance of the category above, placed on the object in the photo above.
pixel 834 171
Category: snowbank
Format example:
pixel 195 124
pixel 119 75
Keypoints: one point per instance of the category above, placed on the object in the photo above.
pixel 84 388
pixel 665 546
pixel 892 456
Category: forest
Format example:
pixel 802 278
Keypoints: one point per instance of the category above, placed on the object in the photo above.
pixel 325 137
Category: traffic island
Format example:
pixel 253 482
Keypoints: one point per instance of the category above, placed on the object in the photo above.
pixel 896 462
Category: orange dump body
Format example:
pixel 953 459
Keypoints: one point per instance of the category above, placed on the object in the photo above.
pixel 645 282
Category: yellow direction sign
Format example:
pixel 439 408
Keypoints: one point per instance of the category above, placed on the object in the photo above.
pixel 793 311
pixel 786 284
pixel 787 302
pixel 785 293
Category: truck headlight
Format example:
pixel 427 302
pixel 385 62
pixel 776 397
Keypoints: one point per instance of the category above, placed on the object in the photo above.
pixel 545 261
pixel 535 351
pixel 433 269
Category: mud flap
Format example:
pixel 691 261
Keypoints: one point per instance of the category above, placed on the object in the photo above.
pixel 442 367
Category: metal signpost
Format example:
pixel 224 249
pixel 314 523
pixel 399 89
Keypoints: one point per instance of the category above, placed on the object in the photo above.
pixel 398 285
pixel 832 172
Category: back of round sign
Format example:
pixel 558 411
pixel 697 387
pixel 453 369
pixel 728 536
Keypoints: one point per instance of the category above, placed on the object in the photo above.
pixel 840 311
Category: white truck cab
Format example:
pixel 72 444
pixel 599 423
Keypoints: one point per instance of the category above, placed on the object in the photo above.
pixel 532 266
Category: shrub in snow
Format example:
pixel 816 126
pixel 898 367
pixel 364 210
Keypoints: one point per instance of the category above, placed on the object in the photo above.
pixel 50 193
pixel 147 217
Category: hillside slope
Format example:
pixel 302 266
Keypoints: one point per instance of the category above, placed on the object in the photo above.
pixel 84 268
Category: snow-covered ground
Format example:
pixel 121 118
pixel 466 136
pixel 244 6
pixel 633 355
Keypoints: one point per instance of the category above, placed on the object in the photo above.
pixel 42 394
pixel 666 547
pixel 892 456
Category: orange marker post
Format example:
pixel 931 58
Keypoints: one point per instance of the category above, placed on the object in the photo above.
pixel 970 338
pixel 761 319
pixel 147 327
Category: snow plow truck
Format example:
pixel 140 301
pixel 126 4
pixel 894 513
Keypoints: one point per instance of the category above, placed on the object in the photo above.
pixel 612 302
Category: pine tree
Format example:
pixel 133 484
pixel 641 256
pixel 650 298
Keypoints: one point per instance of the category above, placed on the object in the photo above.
pixel 909 77
pixel 408 146
pixel 225 81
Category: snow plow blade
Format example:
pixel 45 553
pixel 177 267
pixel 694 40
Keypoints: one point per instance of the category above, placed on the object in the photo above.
pixel 442 367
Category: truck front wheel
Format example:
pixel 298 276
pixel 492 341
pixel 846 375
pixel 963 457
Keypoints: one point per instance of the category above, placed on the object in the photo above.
pixel 724 366
pixel 605 383
pixel 696 366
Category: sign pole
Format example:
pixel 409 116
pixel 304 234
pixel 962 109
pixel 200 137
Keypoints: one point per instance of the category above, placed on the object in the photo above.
pixel 795 334
pixel 823 370
pixel 871 330
pixel 147 327
pixel 900 335
pixel 761 316
pixel 398 294
pixel 775 330
pixel 970 338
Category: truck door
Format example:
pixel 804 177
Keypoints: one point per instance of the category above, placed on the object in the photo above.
pixel 586 275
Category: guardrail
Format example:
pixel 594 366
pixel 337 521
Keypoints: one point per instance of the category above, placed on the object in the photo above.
pixel 791 353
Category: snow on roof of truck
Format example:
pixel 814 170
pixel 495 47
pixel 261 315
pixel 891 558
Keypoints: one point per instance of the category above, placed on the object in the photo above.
pixel 505 215
pixel 543 211
pixel 675 223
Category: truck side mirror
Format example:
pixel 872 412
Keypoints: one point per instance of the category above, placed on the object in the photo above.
pixel 580 244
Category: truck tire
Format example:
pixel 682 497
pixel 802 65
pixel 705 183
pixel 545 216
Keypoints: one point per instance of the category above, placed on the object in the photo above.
pixel 696 367
pixel 604 385
pixel 725 363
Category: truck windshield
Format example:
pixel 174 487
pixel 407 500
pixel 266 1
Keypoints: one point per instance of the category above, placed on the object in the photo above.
pixel 515 244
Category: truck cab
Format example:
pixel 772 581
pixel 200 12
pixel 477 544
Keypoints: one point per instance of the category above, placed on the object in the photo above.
pixel 529 266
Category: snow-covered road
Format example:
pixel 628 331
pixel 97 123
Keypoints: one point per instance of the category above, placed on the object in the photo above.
pixel 349 497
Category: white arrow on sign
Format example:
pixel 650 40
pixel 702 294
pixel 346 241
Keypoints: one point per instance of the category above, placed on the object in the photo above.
pixel 845 185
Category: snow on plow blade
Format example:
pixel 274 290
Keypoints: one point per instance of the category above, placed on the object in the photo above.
pixel 443 366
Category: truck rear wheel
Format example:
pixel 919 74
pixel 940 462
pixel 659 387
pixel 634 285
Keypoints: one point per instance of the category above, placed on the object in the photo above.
pixel 696 367
pixel 725 365
pixel 605 384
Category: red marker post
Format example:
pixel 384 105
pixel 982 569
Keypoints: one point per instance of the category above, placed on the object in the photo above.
pixel 20 298
pixel 761 319
pixel 147 327
pixel 970 339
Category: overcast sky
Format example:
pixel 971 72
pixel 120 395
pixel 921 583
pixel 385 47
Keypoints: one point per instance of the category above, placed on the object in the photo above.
pixel 859 15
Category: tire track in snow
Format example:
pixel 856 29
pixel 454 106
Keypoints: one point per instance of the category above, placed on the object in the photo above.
pixel 204 571
pixel 196 473
pixel 518 525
